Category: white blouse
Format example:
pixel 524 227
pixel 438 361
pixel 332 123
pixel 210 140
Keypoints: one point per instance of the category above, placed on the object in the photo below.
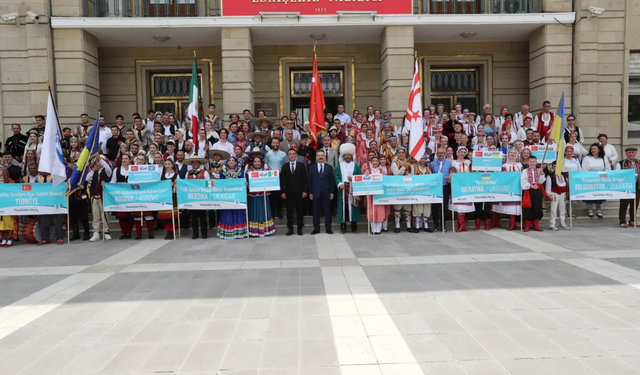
pixel 571 165
pixel 589 163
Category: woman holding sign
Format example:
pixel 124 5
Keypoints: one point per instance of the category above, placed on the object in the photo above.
pixel 120 176
pixel 511 209
pixel 595 161
pixel 376 215
pixel 260 218
pixel 6 222
pixel 169 173
pixel 233 223
pixel 461 165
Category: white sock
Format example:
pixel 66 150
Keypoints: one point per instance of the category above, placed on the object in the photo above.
pixel 425 220
pixel 385 224
pixel 397 221
pixel 408 219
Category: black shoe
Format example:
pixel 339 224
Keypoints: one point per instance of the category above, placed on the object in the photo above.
pixel 376 233
pixel 205 236
pixel 290 232
pixel 329 231
pixel 124 237
pixel 343 231
pixel 86 237
pixel 428 230
pixel 438 228
pixel 397 230
pixel 151 236
pixel 194 237
pixel 74 237
pixel 315 231
pixel 169 236
pixel 138 237
pixel 385 230
pixel 300 232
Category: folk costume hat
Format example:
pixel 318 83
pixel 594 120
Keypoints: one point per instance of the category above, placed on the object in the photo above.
pixel 347 148
pixel 195 159
pixel 223 154
pixel 256 150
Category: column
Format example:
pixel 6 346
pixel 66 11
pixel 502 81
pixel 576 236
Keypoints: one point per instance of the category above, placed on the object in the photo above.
pixel 397 69
pixel 77 76
pixel 237 70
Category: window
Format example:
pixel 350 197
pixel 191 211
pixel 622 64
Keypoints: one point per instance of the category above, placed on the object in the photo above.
pixel 634 95
pixel 451 85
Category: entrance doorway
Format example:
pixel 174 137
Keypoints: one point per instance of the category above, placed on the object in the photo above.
pixel 332 80
pixel 455 85
pixel 170 92
pixel 170 8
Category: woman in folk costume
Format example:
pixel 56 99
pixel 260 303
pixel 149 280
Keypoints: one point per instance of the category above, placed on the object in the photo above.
pixel 198 217
pixel 169 173
pixel 6 222
pixel 401 166
pixel 121 176
pixel 531 180
pixel 377 215
pixel 386 131
pixel 363 140
pixel 512 209
pixel 348 209
pixel 461 165
pixel 233 223
pixel 556 189
pixel 421 212
pixel 595 161
pixel 260 217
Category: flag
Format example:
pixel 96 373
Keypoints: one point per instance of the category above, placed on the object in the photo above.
pixel 316 106
pixel 209 184
pixel 557 134
pixel 51 160
pixel 78 179
pixel 194 98
pixel 414 117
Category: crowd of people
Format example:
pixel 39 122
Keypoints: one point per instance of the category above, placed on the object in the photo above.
pixel 316 172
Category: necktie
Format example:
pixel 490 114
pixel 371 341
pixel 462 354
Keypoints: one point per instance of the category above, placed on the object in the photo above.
pixel 293 167
pixel 321 169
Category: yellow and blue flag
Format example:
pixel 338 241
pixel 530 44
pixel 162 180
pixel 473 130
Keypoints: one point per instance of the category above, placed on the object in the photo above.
pixel 78 179
pixel 557 134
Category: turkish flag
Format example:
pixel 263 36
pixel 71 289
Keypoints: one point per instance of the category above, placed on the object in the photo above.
pixel 316 106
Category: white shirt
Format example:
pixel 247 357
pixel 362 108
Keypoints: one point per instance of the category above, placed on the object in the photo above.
pixel 104 134
pixel 571 165
pixel 227 146
pixel 123 172
pixel 343 117
pixel 610 154
pixel 320 168
pixel 589 163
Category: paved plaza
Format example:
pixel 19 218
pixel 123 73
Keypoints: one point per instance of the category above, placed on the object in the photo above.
pixel 477 303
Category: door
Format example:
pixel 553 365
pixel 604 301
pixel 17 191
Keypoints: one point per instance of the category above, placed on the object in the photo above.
pixel 455 85
pixel 170 92
pixel 455 6
pixel 332 81
pixel 170 8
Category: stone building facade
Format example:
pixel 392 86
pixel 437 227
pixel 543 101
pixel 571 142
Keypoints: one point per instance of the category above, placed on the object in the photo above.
pixel 111 54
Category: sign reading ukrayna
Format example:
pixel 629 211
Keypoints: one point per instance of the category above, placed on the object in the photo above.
pixel 367 185
pixel 486 187
pixel 260 181
pixel 602 185
pixel 410 189
pixel 229 194
pixel 32 199
pixel 149 196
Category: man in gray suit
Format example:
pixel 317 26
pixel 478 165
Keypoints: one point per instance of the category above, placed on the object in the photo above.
pixel 331 155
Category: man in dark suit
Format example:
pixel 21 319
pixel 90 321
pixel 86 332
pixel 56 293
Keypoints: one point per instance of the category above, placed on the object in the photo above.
pixel 321 185
pixel 293 185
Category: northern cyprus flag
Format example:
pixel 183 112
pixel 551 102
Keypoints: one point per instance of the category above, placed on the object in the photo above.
pixel 194 96
pixel 414 117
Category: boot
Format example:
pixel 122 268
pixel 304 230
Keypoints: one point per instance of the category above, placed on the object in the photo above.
pixel 512 222
pixel 397 218
pixel 536 225
pixel 495 220
pixel 150 226
pixel 461 223
pixel 354 227
pixel 408 221
pixel 527 225
pixel 477 224
pixel 76 235
pixel 487 224
pixel 343 228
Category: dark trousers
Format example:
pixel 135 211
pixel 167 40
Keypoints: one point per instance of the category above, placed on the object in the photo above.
pixel 321 205
pixel 482 213
pixel 79 210
pixel 199 221
pixel 276 204
pixel 535 212
pixel 45 222
pixel 437 208
pixel 628 204
pixel 295 205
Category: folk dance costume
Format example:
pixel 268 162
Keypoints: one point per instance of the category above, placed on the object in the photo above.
pixel 168 216
pixel 624 203
pixel 121 176
pixel 260 220
pixel 533 195
pixel 233 223
pixel 198 217
pixel 7 223
pixel 377 215
pixel 402 168
pixel 421 212
pixel 556 189
pixel 512 209
pixel 461 208
pixel 348 209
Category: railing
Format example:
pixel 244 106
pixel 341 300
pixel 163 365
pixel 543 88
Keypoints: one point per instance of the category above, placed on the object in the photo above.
pixel 150 8
pixel 476 6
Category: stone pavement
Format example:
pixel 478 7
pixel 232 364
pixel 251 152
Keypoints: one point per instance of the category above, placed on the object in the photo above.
pixel 490 303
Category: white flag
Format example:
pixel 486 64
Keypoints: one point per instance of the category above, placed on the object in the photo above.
pixel 414 118
pixel 52 160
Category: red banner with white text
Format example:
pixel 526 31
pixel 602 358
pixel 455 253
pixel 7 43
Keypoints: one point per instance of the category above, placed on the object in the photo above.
pixel 315 7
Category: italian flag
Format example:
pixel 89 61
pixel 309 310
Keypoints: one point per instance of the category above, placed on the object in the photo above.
pixel 194 96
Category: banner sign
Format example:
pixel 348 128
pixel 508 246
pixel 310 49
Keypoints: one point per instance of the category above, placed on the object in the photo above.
pixel 538 152
pixel 367 185
pixel 143 173
pixel 229 194
pixel 149 196
pixel 264 181
pixel 486 187
pixel 32 199
pixel 487 161
pixel 602 185
pixel 410 189
pixel 315 7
